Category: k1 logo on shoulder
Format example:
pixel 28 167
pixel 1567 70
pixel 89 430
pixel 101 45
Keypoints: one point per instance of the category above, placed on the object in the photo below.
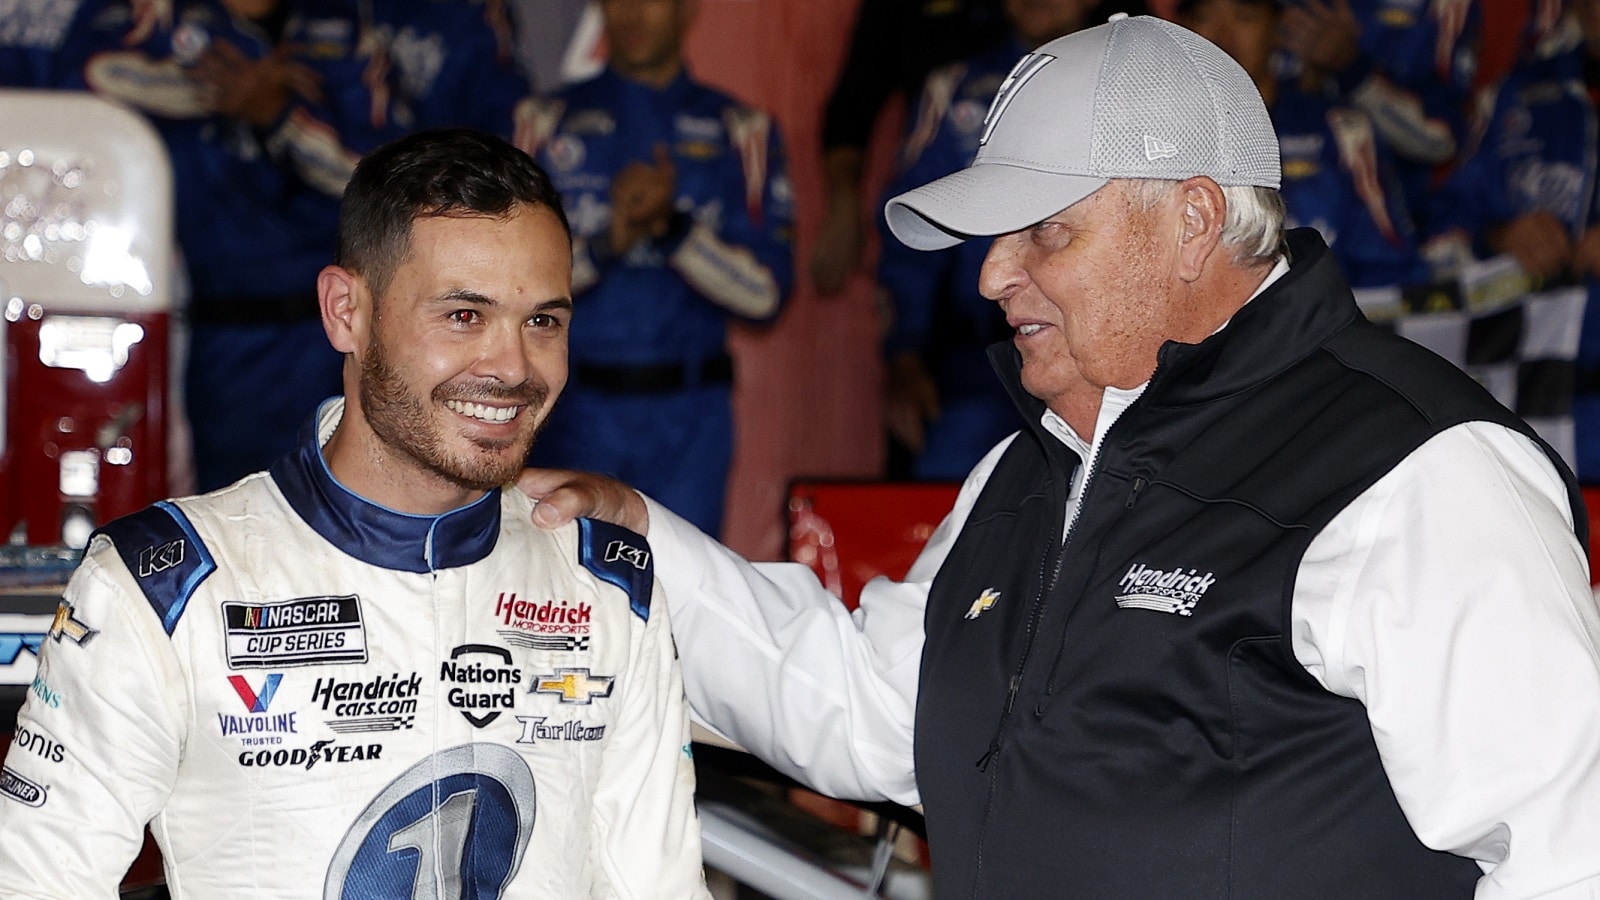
pixel 307 631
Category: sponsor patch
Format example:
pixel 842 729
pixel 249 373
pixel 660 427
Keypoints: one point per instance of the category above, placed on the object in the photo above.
pixel 575 686
pixel 572 642
pixel 983 604
pixel 39 745
pixel 307 631
pixel 379 703
pixel 67 625
pixel 21 789
pixel 1163 590
pixel 483 682
pixel 543 616
pixel 46 695
pixel 259 727
pixel 620 557
pixel 310 757
pixel 539 728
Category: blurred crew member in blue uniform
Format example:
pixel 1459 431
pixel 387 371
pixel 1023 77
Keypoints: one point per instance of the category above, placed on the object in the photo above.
pixel 681 212
pixel 943 407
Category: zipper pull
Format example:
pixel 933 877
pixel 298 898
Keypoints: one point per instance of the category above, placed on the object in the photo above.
pixel 1138 485
pixel 1011 702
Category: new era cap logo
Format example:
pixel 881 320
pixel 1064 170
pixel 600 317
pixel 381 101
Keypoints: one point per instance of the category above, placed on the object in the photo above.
pixel 1026 68
pixel 1155 148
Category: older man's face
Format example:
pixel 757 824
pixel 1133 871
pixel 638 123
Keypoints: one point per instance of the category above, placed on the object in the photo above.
pixel 1088 295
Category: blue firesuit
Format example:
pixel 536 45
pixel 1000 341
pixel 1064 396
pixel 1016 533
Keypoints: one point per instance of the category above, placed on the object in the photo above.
pixel 30 36
pixel 1340 179
pixel 648 398
pixel 936 311
pixel 1536 150
pixel 1414 75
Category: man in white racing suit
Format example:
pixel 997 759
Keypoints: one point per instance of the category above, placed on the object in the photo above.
pixel 365 673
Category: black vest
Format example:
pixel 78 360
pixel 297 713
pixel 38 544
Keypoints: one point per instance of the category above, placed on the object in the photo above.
pixel 1123 717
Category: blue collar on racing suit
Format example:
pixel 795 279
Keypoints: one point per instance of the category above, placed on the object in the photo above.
pixel 376 534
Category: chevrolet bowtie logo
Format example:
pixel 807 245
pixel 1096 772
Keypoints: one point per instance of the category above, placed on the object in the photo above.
pixel 574 685
pixel 65 625
pixel 985 601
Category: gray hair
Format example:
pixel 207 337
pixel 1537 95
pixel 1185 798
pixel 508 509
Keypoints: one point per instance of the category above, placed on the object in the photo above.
pixel 1253 228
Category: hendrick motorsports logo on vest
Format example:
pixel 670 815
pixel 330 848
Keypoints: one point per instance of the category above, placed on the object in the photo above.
pixel 320 752
pixel 308 631
pixel 380 703
pixel 1163 590
pixel 20 789
pixel 535 730
pixel 484 680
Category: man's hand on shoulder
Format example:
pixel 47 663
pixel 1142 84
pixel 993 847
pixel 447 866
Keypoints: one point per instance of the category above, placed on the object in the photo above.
pixel 562 495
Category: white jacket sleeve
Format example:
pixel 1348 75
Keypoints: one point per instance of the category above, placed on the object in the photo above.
pixel 97 745
pixel 644 815
pixel 1452 599
pixel 776 663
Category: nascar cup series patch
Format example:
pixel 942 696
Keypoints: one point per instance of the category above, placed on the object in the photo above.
pixel 306 631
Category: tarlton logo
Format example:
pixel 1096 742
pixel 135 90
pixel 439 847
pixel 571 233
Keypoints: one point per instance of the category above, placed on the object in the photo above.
pixel 549 617
pixel 66 625
pixel 573 685
pixel 633 556
pixel 984 603
pixel 1168 591
pixel 153 560
pixel 481 675
pixel 535 730
pixel 20 789
pixel 321 751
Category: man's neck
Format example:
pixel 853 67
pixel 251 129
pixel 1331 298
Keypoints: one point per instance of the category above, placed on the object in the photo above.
pixel 656 76
pixel 368 468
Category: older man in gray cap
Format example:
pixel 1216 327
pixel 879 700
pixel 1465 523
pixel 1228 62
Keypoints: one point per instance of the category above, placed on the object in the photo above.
pixel 1262 601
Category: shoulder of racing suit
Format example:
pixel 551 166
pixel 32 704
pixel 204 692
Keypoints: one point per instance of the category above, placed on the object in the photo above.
pixel 165 556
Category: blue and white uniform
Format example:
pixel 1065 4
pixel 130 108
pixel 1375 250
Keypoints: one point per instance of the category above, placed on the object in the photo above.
pixel 935 308
pixel 1340 178
pixel 649 396
pixel 306 694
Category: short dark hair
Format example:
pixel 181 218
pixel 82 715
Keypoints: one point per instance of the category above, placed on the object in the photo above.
pixel 438 172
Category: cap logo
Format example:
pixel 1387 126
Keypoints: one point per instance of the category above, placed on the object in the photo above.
pixel 1155 148
pixel 1026 68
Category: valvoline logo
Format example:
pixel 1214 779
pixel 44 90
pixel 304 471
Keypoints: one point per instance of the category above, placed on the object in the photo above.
pixel 254 702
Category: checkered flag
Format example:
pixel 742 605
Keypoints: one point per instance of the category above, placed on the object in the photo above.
pixel 1522 346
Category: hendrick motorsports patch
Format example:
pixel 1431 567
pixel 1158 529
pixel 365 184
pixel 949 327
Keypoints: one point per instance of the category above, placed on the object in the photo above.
pixel 20 789
pixel 308 631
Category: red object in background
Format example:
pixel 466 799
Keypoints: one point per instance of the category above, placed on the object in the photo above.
pixel 1591 500
pixel 850 532
pixel 86 419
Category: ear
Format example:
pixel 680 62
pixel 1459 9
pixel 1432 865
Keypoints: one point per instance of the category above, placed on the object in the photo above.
pixel 1204 212
pixel 346 308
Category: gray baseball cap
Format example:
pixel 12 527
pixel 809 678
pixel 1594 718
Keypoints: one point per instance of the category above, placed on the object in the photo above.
pixel 1134 98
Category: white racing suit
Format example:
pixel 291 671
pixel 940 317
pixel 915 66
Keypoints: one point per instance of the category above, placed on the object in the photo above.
pixel 307 695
